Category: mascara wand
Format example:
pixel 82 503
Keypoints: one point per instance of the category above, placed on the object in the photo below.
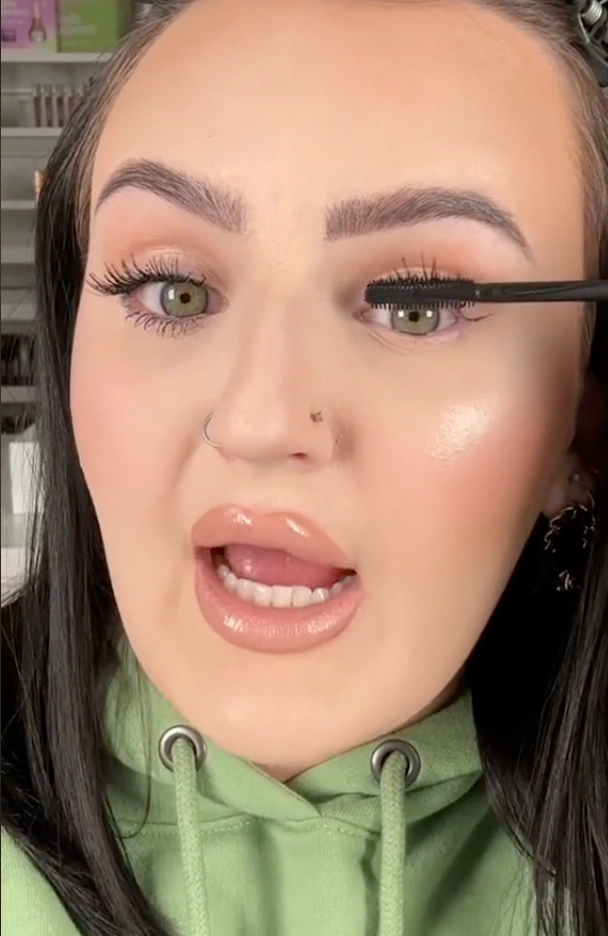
pixel 398 292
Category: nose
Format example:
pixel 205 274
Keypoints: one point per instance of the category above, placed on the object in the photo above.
pixel 275 405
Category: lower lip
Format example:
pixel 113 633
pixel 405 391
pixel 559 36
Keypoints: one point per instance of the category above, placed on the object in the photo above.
pixel 270 630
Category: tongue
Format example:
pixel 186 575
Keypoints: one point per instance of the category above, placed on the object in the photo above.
pixel 275 567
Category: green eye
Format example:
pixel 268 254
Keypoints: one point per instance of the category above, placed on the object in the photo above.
pixel 415 321
pixel 182 300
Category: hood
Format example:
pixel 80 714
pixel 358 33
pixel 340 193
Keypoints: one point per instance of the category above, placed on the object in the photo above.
pixel 380 788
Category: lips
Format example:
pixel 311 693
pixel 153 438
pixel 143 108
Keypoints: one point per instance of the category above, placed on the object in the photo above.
pixel 290 532
pixel 231 606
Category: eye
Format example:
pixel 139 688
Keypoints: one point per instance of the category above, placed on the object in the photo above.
pixel 175 299
pixel 416 321
pixel 413 320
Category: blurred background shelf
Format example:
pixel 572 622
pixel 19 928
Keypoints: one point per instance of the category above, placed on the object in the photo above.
pixel 40 57
pixel 18 395
pixel 15 534
pixel 15 528
pixel 17 309
pixel 34 133
pixel 17 204
pixel 16 255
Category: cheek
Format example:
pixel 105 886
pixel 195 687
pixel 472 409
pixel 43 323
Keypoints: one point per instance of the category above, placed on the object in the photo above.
pixel 466 479
pixel 120 419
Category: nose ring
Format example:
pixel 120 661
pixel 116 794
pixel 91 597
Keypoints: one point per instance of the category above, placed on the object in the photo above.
pixel 205 432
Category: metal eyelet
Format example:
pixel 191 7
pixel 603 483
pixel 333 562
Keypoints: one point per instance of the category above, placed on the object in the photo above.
pixel 185 733
pixel 388 747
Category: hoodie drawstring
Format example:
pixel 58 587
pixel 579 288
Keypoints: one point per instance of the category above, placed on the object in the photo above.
pixel 392 845
pixel 395 764
pixel 185 769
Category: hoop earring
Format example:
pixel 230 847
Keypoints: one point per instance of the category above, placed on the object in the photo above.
pixel 205 432
pixel 570 532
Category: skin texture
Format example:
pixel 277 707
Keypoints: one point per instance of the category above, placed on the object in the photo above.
pixel 448 447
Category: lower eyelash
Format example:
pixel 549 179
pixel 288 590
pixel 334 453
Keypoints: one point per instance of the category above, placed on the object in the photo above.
pixel 166 327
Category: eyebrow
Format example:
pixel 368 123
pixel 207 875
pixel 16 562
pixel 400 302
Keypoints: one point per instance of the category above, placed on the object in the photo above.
pixel 408 206
pixel 209 201
pixel 352 217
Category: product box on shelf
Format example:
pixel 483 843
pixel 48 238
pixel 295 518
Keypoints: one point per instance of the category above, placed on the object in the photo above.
pixel 92 25
pixel 29 25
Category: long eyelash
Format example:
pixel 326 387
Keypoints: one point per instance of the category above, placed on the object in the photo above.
pixel 165 327
pixel 126 279
pixel 129 277
pixel 424 274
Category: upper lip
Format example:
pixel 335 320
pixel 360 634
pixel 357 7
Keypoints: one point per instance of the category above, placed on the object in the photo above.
pixel 290 532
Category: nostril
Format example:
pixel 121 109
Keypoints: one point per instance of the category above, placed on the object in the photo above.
pixel 181 733
pixel 391 746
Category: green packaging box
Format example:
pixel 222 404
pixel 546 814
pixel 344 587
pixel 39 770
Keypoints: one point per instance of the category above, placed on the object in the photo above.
pixel 92 25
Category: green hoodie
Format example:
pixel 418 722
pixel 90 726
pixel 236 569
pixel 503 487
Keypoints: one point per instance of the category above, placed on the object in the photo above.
pixel 224 850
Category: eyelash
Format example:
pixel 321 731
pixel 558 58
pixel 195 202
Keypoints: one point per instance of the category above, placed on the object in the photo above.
pixel 129 278
pixel 423 274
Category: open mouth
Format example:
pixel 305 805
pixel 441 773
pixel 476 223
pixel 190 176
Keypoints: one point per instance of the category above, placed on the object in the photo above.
pixel 277 584
pixel 272 583
pixel 264 610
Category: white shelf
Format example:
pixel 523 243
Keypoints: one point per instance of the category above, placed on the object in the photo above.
pixel 15 528
pixel 17 204
pixel 18 395
pixel 17 305
pixel 30 132
pixel 13 569
pixel 15 535
pixel 17 256
pixel 40 57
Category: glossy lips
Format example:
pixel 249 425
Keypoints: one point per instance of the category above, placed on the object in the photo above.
pixel 269 629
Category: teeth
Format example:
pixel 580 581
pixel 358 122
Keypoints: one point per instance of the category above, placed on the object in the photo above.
pixel 319 595
pixel 262 595
pixel 278 596
pixel 244 589
pixel 300 597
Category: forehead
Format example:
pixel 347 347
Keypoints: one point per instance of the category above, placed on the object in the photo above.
pixel 300 102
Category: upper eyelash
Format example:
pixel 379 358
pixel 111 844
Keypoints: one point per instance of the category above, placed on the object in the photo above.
pixel 126 279
pixel 130 277
pixel 422 275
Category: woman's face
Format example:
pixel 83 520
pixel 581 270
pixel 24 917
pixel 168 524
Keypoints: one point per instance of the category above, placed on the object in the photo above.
pixel 356 139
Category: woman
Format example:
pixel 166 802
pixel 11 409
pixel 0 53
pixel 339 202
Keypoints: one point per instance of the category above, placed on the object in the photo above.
pixel 314 639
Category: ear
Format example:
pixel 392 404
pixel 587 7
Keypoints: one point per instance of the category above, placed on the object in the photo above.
pixel 572 485
pixel 586 459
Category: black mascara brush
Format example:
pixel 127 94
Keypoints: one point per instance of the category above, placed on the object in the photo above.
pixel 436 291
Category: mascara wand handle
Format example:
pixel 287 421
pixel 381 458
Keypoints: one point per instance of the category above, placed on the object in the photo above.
pixel 575 291
pixel 403 294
